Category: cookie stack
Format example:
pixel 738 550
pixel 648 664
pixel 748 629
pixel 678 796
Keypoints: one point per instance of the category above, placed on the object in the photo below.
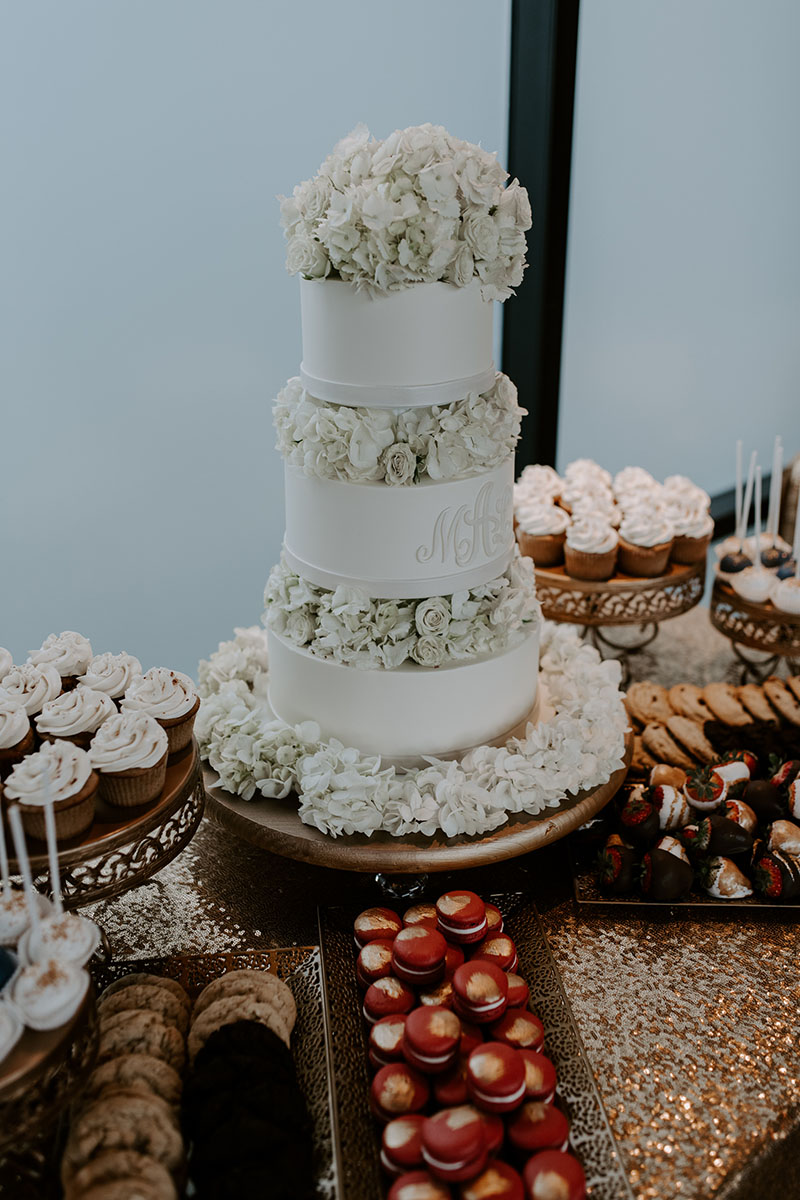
pixel 125 1136
pixel 244 1114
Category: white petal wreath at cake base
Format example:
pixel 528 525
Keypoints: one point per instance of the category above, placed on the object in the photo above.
pixel 342 791
pixel 404 632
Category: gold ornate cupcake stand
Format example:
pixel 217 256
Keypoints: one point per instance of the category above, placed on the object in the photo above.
pixel 124 847
pixel 621 600
pixel 760 627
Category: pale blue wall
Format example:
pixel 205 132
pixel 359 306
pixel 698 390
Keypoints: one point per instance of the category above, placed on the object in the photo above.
pixel 682 316
pixel 146 320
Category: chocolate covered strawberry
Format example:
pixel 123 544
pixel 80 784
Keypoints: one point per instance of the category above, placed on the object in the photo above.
pixel 671 806
pixel 615 866
pixel 695 838
pixel 746 756
pixel 638 819
pixel 777 876
pixel 784 836
pixel 741 813
pixel 664 876
pixel 765 800
pixel 793 799
pixel 670 776
pixel 705 789
pixel 672 846
pixel 726 837
pixel 736 774
pixel 722 879
pixel 783 773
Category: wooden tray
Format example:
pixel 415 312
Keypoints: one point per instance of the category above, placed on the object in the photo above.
pixel 275 825
pixel 125 846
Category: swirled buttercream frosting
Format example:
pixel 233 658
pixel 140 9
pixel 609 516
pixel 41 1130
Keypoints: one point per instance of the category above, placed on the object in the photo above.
pixel 112 673
pixel 162 693
pixel 6 662
pixel 47 994
pixel 691 522
pixel 680 489
pixel 129 740
pixel 587 469
pixel 14 723
pixel 540 519
pixel 538 480
pixel 646 527
pixel 80 711
pixel 65 765
pixel 633 479
pixel 32 686
pixel 591 536
pixel 69 652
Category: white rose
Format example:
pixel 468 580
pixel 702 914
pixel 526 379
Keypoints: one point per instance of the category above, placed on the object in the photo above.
pixel 313 198
pixel 480 234
pixel 462 268
pixel 299 627
pixel 399 464
pixel 305 256
pixel 428 651
pixel 432 616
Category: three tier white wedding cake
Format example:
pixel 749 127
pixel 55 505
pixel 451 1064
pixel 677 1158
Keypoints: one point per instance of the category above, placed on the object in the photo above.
pixel 403 628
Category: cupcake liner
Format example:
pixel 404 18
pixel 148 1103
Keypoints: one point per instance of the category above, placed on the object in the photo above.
pixel 647 561
pixel 546 549
pixel 179 729
pixel 11 755
pixel 688 550
pixel 73 815
pixel 135 787
pixel 582 565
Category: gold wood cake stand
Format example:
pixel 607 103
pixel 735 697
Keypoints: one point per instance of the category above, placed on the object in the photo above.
pixel 124 847
pixel 621 600
pixel 275 825
pixel 757 627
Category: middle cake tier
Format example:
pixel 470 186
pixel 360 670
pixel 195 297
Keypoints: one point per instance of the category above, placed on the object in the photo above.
pixel 401 543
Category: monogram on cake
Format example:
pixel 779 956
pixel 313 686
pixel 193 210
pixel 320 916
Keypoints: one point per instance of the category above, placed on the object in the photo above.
pixel 403 627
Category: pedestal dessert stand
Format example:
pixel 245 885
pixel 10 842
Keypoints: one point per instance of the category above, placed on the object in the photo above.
pixel 760 627
pixel 275 825
pixel 622 600
pixel 124 847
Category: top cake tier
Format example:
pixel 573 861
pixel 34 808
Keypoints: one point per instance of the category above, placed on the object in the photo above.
pixel 429 344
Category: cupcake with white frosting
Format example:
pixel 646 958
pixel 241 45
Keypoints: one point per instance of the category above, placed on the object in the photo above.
pixel 129 752
pixel 538 482
pixel 590 549
pixel 693 528
pixel 31 686
pixel 16 735
pixel 75 716
pixel 47 994
pixel 69 652
pixel 170 697
pixel 588 471
pixel 541 532
pixel 72 786
pixel 645 542
pixel 6 662
pixel 111 673
pixel 680 490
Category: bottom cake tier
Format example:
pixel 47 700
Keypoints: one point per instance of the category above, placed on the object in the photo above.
pixel 412 711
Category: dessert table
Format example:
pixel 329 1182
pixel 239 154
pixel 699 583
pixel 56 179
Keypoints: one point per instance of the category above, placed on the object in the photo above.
pixel 688 1022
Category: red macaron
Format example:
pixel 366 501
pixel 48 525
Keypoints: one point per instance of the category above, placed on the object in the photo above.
pixel 518 1028
pixel 518 991
pixel 498 1181
pixel 418 1185
pixel 396 1091
pixel 450 1089
pixel 480 992
pixel 418 955
pixel 562 1172
pixel 494 919
pixel 386 1040
pixel 499 949
pixel 462 917
pixel 540 1076
pixel 454 1143
pixel 496 1077
pixel 454 957
pixel 387 997
pixel 439 994
pixel 376 923
pixel 537 1126
pixel 431 1039
pixel 401 1144
pixel 374 962
pixel 421 914
pixel 495 1132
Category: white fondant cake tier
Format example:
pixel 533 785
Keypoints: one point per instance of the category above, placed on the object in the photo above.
pixel 411 711
pixel 400 543
pixel 428 344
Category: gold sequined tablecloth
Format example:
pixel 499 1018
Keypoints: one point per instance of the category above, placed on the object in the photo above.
pixel 690 1024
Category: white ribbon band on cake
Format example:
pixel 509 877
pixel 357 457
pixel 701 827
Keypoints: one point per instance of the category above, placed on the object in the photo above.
pixel 399 543
pixel 411 711
pixel 427 344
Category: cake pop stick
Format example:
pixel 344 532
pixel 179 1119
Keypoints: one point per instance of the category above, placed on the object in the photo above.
pixel 758 516
pixel 796 541
pixel 748 499
pixel 774 491
pixel 15 820
pixel 52 847
pixel 738 485
pixel 4 871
